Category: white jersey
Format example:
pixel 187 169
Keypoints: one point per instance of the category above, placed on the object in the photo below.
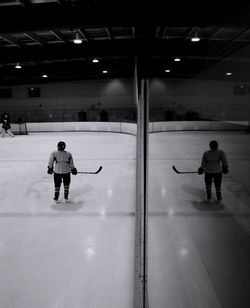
pixel 63 161
pixel 213 161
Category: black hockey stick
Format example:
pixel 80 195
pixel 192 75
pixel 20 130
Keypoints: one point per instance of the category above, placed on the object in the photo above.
pixel 182 172
pixel 100 168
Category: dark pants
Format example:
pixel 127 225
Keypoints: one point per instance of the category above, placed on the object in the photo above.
pixel 58 179
pixel 217 179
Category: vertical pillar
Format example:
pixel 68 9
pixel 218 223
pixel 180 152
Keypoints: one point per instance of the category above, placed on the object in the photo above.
pixel 141 295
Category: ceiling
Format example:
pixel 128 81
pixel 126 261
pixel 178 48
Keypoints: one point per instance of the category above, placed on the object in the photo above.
pixel 39 34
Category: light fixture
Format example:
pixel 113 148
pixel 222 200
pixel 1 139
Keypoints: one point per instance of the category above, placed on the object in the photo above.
pixel 195 38
pixel 177 59
pixel 77 40
pixel 167 71
pixel 105 72
pixel 228 74
pixel 95 60
pixel 45 76
pixel 18 65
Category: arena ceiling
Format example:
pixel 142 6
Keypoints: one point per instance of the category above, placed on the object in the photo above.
pixel 39 34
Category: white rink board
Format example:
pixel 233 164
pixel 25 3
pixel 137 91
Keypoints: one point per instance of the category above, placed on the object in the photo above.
pixel 197 125
pixel 131 128
pixel 117 127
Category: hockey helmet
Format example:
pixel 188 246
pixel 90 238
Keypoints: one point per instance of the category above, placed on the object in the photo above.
pixel 213 145
pixel 61 146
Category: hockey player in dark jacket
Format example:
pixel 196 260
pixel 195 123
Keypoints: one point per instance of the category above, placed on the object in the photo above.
pixel 64 165
pixel 6 128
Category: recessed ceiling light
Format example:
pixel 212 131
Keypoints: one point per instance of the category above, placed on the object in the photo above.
pixel 45 76
pixel 195 38
pixel 228 74
pixel 77 40
pixel 167 71
pixel 105 72
pixel 18 65
pixel 177 59
pixel 95 60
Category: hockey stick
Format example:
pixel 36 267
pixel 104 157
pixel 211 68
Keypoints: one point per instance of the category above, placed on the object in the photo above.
pixel 182 172
pixel 100 168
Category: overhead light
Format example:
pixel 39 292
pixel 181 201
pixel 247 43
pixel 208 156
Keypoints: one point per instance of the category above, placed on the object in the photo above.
pixel 195 38
pixel 177 59
pixel 18 65
pixel 95 60
pixel 77 40
pixel 105 72
pixel 45 76
pixel 228 74
pixel 167 71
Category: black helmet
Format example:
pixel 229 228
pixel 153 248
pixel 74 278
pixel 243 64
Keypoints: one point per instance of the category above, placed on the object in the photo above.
pixel 213 145
pixel 61 146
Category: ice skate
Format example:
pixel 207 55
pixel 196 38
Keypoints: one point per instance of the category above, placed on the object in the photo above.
pixel 56 197
pixel 219 199
pixel 208 197
pixel 66 198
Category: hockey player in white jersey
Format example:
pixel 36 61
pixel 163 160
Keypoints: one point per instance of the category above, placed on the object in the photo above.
pixel 213 163
pixel 63 162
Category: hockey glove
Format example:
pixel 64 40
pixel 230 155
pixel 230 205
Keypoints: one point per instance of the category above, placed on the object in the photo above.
pixel 200 170
pixel 74 171
pixel 225 170
pixel 50 170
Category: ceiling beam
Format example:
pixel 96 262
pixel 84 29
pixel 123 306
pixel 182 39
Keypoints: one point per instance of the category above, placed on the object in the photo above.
pixel 164 33
pixel 35 38
pixel 109 33
pixel 58 35
pixel 25 3
pixel 83 34
pixel 10 39
pixel 64 2
pixel 133 32
pixel 189 32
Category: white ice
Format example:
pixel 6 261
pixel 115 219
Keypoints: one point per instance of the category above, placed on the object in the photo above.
pixel 79 254
pixel 199 253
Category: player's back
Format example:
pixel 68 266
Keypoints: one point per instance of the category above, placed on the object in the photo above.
pixel 212 161
pixel 63 161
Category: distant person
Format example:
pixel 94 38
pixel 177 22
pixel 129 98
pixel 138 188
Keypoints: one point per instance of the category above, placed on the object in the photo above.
pixel 5 116
pixel 214 163
pixel 6 128
pixel 64 165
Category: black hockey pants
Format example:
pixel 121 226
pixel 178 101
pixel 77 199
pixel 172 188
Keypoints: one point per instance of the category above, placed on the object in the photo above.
pixel 58 178
pixel 217 178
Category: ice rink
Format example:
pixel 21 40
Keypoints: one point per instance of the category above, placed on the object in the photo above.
pixel 81 254
pixel 199 253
